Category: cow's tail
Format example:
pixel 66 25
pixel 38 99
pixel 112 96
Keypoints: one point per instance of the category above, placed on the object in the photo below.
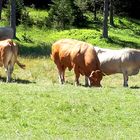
pixel 20 65
pixel 15 51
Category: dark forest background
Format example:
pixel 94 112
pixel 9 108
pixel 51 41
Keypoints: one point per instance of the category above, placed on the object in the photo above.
pixel 129 8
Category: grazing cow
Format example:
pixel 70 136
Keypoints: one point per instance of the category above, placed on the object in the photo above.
pixel 8 57
pixel 126 61
pixel 70 53
pixel 6 33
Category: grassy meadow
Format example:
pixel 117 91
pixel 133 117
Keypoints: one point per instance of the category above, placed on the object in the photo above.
pixel 36 107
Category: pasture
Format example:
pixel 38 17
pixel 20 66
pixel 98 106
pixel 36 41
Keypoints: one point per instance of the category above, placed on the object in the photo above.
pixel 34 106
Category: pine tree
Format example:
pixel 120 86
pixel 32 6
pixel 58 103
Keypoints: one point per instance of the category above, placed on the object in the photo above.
pixel 61 14
pixel 13 17
pixel 105 20
pixel 0 8
pixel 111 13
pixel 79 8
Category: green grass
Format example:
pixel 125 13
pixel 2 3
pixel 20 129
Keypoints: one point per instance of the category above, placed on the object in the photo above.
pixel 34 106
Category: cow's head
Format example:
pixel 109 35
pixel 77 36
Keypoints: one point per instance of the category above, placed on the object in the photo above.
pixel 95 78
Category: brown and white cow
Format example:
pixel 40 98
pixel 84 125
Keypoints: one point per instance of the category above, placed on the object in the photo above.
pixel 126 61
pixel 8 57
pixel 70 53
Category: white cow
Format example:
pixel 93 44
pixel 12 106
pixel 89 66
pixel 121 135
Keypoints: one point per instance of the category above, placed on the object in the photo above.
pixel 126 61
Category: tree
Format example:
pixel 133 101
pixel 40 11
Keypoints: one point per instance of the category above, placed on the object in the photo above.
pixel 92 8
pixel 111 13
pixel 38 3
pixel 105 19
pixel 19 10
pixel 79 8
pixel 13 17
pixel 0 8
pixel 95 10
pixel 61 14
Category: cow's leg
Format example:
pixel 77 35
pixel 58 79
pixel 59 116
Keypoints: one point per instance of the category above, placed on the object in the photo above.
pixel 10 71
pixel 7 59
pixel 63 74
pixel 60 74
pixel 87 81
pixel 8 74
pixel 60 77
pixel 77 75
pixel 125 77
pixel 11 68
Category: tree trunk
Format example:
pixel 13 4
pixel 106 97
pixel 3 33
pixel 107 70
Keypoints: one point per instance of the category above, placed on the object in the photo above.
pixel 0 8
pixel 111 13
pixel 13 17
pixel 95 10
pixel 105 20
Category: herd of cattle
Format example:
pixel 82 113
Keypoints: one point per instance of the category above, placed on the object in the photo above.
pixel 92 62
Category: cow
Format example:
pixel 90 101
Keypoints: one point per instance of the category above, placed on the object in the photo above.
pixel 8 57
pixel 125 61
pixel 77 55
pixel 6 33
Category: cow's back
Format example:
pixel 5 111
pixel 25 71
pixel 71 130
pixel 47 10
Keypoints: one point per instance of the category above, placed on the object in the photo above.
pixel 70 52
pixel 131 55
pixel 119 61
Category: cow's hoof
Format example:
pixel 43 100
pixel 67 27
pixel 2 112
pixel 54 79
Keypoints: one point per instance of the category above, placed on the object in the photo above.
pixel 76 84
pixel 125 85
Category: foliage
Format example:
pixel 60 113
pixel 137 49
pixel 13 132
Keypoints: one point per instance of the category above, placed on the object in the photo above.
pixel 66 13
pixel 79 8
pixel 60 14
pixel 39 4
pixel 20 11
pixel 127 8
pixel 25 18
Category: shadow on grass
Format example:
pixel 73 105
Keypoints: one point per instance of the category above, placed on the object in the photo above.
pixel 96 25
pixel 135 87
pixel 80 85
pixel 127 26
pixel 123 43
pixel 20 81
pixel 35 50
pixel 135 21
